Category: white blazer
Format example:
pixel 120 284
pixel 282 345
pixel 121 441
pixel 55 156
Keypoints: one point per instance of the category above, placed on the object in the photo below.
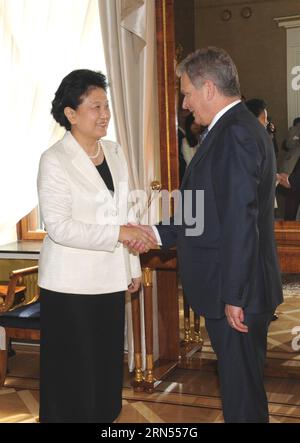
pixel 81 253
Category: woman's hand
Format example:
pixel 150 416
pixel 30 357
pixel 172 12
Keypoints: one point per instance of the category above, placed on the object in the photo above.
pixel 134 235
pixel 135 285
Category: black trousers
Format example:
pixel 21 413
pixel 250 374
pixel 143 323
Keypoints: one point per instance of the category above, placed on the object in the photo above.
pixel 241 360
pixel 81 357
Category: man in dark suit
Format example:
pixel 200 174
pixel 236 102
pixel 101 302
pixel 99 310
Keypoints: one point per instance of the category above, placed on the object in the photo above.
pixel 230 273
pixel 292 198
pixel 291 180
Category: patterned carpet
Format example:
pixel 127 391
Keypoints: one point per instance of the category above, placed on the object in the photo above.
pixel 284 333
pixel 283 357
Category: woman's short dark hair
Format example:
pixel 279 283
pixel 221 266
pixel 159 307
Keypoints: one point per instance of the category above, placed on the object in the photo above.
pixel 72 90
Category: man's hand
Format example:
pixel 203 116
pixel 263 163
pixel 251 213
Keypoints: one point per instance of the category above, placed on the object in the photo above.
pixel 135 285
pixel 283 179
pixel 137 239
pixel 235 318
pixel 137 245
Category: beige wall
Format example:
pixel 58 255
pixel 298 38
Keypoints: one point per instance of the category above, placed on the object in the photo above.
pixel 257 45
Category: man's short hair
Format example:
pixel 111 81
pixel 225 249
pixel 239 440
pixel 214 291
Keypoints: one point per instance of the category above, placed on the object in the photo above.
pixel 256 106
pixel 213 64
pixel 296 121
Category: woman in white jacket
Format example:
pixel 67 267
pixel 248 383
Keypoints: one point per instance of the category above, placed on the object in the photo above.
pixel 84 268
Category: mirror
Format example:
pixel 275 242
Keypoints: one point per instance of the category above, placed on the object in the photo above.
pixel 263 38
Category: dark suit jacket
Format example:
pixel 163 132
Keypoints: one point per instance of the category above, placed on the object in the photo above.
pixel 234 261
pixel 294 177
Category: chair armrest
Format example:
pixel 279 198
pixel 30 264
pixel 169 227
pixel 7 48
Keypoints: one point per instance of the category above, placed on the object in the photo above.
pixel 11 288
pixel 24 271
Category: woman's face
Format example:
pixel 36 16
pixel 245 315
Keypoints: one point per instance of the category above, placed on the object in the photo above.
pixel 92 116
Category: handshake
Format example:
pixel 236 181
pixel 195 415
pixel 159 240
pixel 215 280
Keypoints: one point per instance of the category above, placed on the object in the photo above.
pixel 138 238
pixel 282 179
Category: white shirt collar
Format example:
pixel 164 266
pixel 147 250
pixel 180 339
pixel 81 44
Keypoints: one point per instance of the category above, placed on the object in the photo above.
pixel 222 112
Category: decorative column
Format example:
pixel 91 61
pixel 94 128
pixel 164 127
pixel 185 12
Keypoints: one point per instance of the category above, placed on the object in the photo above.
pixel 136 326
pixel 149 378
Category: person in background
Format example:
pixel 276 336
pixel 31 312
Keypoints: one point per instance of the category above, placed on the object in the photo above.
pixel 293 138
pixel 182 114
pixel 271 128
pixel 84 268
pixel 291 183
pixel 291 147
pixel 289 176
pixel 181 160
pixel 258 108
pixel 291 180
pixel 191 141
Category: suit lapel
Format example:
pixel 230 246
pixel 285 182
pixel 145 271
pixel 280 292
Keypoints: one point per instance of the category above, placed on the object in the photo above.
pixel 85 166
pixel 201 152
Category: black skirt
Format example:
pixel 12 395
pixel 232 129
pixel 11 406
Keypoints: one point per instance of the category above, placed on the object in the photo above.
pixel 82 345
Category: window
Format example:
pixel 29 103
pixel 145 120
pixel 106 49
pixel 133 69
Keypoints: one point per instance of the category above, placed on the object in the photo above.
pixel 31 227
pixel 41 42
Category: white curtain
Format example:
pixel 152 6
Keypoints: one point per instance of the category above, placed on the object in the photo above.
pixel 129 41
pixel 41 41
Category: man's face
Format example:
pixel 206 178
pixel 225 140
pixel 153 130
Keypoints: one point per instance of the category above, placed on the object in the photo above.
pixel 195 100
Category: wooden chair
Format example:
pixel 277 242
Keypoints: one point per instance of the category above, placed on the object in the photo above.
pixel 19 316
